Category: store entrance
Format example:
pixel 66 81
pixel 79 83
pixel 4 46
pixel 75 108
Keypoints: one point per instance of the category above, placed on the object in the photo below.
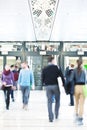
pixel 37 63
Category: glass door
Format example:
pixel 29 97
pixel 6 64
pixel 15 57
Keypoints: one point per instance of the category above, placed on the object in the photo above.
pixel 10 60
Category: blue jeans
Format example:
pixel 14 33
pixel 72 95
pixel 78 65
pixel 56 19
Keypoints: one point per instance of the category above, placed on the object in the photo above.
pixel 71 99
pixel 25 94
pixel 53 90
pixel 53 99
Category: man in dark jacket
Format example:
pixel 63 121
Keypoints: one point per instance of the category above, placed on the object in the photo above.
pixel 49 79
pixel 69 83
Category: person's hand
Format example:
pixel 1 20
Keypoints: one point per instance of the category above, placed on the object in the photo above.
pixel 4 83
pixel 19 87
pixel 33 87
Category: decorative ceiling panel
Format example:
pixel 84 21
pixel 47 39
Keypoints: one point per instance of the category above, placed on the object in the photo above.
pixel 43 15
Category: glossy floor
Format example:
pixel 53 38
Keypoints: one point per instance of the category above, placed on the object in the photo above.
pixel 36 117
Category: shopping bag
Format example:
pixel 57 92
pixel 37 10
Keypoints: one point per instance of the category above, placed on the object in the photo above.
pixel 59 80
pixel 60 84
pixel 2 87
pixel 85 90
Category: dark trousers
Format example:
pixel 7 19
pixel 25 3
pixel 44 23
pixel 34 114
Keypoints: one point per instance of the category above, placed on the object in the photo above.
pixel 53 90
pixel 71 99
pixel 12 94
pixel 7 96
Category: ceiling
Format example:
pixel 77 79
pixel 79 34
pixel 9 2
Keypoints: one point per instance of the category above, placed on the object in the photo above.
pixel 45 20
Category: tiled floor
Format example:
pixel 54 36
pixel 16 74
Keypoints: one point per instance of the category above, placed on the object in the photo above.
pixel 36 117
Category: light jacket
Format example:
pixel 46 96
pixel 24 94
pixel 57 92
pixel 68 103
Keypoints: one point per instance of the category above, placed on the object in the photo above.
pixel 26 77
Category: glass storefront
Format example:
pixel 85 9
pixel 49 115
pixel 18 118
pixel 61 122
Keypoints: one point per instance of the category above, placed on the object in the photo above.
pixel 36 53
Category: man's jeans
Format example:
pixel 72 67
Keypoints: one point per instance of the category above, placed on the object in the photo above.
pixel 53 90
pixel 25 94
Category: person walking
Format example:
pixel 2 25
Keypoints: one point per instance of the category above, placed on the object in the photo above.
pixel 15 73
pixel 49 78
pixel 25 79
pixel 80 80
pixel 69 83
pixel 7 81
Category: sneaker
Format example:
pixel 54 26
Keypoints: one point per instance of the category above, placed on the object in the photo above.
pixel 79 122
pixel 13 100
pixel 76 118
pixel 23 106
pixel 26 107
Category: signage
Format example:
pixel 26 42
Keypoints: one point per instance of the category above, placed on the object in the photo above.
pixel 80 52
pixel 4 52
pixel 42 52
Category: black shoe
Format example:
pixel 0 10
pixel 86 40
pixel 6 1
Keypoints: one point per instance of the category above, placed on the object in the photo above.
pixel 7 108
pixel 13 100
pixel 56 117
pixel 71 104
pixel 50 120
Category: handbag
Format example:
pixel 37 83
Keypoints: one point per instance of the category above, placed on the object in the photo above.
pixel 2 87
pixel 60 83
pixel 85 90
